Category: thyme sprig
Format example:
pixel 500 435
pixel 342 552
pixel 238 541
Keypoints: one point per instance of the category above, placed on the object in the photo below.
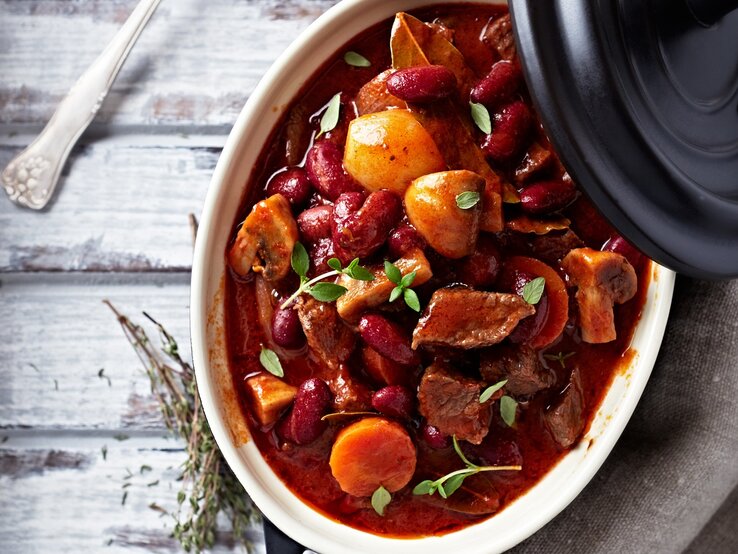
pixel 450 483
pixel 317 287
pixel 208 485
pixel 402 288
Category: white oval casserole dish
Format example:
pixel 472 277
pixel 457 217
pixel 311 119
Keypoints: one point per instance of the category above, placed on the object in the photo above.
pixel 518 520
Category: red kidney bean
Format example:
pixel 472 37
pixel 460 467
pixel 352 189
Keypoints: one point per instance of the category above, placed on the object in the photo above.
pixel 424 83
pixel 499 85
pixel 315 223
pixel 402 240
pixel 434 438
pixel 394 401
pixel 509 136
pixel 480 270
pixel 319 254
pixel 303 425
pixel 530 326
pixel 286 328
pixel 293 184
pixel 621 246
pixel 545 197
pixel 388 339
pixel 324 166
pixel 360 233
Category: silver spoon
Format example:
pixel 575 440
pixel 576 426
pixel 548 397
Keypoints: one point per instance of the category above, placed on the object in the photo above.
pixel 31 177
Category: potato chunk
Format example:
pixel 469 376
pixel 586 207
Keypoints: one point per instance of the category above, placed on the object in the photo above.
pixel 387 150
pixel 430 203
pixel 270 396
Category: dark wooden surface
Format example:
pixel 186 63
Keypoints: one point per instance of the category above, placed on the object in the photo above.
pixel 117 228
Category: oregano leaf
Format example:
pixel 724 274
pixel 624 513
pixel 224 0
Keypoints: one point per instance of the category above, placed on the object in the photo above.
pixel 489 391
pixel 270 361
pixel 468 199
pixel 335 264
pixel 355 59
pixel 380 498
pixel 481 117
pixel 533 290
pixel 300 260
pixel 330 116
pixel 327 292
pixel 395 294
pixel 411 299
pixel 393 272
pixel 508 409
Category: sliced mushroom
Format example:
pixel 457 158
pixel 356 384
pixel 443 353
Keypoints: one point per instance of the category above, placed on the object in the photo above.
pixel 265 241
pixel 604 279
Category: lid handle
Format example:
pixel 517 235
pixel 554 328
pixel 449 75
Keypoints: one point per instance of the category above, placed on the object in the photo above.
pixel 708 12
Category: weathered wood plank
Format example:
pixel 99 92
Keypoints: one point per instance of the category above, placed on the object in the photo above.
pixel 57 335
pixel 71 499
pixel 118 208
pixel 195 64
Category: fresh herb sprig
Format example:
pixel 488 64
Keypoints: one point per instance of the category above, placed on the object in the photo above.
pixel 322 291
pixel 450 483
pixel 560 357
pixel 402 287
pixel 208 485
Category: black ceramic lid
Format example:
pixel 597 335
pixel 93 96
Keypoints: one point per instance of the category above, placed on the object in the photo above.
pixel 640 99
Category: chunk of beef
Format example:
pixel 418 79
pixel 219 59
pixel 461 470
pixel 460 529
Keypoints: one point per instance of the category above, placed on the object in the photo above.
pixel 519 365
pixel 499 35
pixel 603 280
pixel 465 318
pixel 565 421
pixel 349 393
pixel 327 336
pixel 552 247
pixel 450 402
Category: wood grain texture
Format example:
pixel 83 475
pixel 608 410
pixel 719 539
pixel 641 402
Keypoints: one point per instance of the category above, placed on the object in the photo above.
pixel 118 208
pixel 70 499
pixel 195 63
pixel 60 335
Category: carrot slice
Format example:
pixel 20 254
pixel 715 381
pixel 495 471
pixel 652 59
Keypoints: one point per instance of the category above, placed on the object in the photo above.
pixel 372 452
pixel 558 298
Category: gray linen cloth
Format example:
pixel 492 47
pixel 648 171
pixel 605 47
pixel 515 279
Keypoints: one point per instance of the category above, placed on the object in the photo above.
pixel 671 483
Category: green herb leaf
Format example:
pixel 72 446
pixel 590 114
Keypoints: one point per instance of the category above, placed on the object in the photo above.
pixel 395 294
pixel 441 490
pixel 393 272
pixel 360 273
pixel 489 391
pixel 481 118
pixel 453 484
pixel 380 499
pixel 330 117
pixel 327 292
pixel 560 357
pixel 508 409
pixel 533 290
pixel 355 59
pixel 411 299
pixel 424 487
pixel 408 279
pixel 300 260
pixel 270 361
pixel 467 200
pixel 335 263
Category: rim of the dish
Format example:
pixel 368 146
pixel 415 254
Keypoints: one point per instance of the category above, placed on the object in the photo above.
pixel 313 530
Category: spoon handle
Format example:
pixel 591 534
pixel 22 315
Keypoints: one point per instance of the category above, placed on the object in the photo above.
pixel 30 177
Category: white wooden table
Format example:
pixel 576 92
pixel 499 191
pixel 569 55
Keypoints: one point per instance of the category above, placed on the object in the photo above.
pixel 117 228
